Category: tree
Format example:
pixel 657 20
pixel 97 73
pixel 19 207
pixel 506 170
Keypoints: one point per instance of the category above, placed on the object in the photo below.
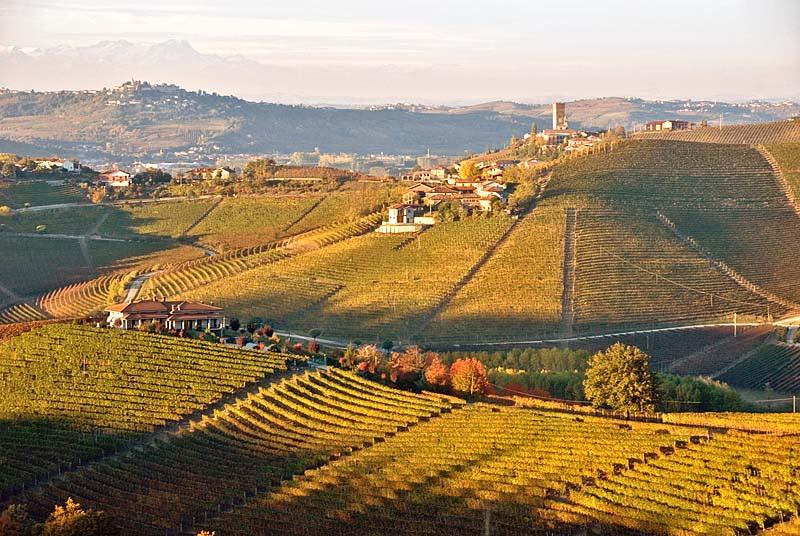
pixel 467 170
pixel 72 520
pixel 534 129
pixel 406 367
pixel 5 210
pixel 97 195
pixel 437 376
pixel 15 521
pixel 468 377
pixel 259 169
pixel 369 359
pixel 9 169
pixel 235 324
pixel 619 379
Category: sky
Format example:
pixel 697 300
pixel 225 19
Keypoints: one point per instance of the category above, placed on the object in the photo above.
pixel 423 51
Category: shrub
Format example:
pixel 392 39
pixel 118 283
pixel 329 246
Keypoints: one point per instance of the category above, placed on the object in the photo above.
pixel 72 520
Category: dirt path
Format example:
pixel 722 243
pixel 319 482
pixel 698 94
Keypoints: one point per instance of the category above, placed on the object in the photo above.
pixel 136 286
pixel 568 294
pixel 96 227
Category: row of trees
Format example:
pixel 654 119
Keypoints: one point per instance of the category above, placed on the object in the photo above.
pixel 417 370
pixel 618 378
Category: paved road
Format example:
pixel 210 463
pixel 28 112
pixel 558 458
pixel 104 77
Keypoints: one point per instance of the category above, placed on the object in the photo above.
pixel 62 236
pixel 342 344
pixel 41 208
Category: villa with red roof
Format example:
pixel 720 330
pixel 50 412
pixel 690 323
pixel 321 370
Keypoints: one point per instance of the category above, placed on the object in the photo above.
pixel 171 314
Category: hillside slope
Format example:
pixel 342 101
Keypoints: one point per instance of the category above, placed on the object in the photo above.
pixel 139 118
pixel 776 132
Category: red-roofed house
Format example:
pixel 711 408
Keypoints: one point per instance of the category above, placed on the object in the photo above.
pixel 171 314
pixel 116 178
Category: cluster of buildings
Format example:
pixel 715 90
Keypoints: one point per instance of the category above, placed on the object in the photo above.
pixel 667 124
pixel 561 133
pixel 423 197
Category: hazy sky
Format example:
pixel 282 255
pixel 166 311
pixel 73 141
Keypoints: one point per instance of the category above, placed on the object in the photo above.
pixel 520 49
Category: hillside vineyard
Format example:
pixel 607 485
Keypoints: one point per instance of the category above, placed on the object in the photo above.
pixel 253 429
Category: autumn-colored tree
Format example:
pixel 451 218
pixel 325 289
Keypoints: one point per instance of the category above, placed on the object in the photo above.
pixel 15 521
pixel 619 379
pixel 97 195
pixel 405 368
pixel 437 376
pixel 468 377
pixel 72 520
pixel 9 169
pixel 5 210
pixel 467 170
pixel 369 359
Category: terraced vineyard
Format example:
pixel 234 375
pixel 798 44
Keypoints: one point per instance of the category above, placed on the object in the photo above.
pixel 776 365
pixel 777 132
pixel 738 236
pixel 38 193
pixel 168 219
pixel 722 197
pixel 663 174
pixel 191 275
pixel 179 479
pixel 351 201
pixel 633 272
pixel 34 265
pixel 72 392
pixel 470 469
pixel 722 354
pixel 238 222
pixel 787 156
pixel 369 286
pixel 517 293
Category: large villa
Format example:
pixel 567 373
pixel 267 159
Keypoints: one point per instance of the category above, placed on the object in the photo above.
pixel 171 314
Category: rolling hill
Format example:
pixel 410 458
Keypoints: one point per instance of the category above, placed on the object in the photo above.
pixel 140 119
pixel 329 452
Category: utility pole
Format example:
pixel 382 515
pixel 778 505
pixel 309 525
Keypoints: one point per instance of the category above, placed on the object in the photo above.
pixel 487 522
pixel 734 325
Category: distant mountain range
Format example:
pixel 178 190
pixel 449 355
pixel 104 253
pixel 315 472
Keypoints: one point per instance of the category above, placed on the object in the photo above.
pixel 138 119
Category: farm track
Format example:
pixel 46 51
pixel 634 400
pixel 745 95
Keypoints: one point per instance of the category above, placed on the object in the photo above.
pixel 568 294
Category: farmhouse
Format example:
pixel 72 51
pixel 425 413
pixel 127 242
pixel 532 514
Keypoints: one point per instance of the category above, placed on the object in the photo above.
pixel 668 124
pixel 115 178
pixel 209 173
pixel 172 314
